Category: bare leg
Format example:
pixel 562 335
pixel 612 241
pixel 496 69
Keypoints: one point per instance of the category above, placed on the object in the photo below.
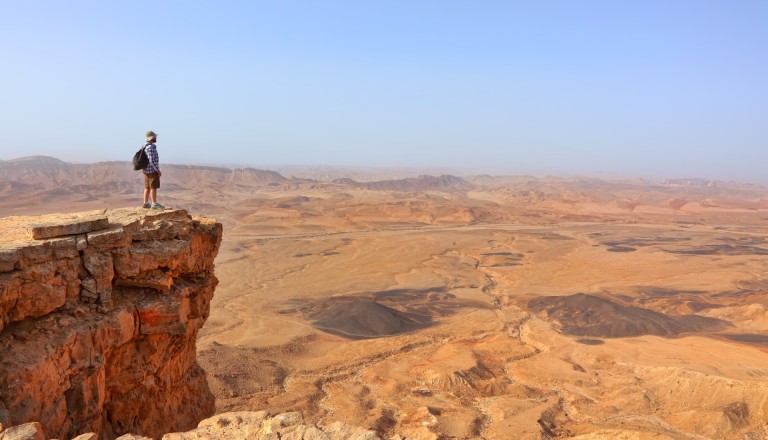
pixel 146 195
pixel 153 194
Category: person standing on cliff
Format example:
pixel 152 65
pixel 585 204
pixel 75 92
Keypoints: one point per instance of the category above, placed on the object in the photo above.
pixel 151 172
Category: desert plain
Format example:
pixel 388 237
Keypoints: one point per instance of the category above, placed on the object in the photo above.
pixel 494 307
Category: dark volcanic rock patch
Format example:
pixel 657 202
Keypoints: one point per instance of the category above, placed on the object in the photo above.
pixel 379 314
pixel 360 318
pixel 744 245
pixel 631 244
pixel 589 315
pixel 721 249
pixel 621 249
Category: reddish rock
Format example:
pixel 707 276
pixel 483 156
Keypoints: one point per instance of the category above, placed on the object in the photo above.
pixel 98 330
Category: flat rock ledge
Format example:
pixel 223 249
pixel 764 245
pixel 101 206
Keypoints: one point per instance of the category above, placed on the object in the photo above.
pixel 18 230
pixel 20 234
pixel 70 224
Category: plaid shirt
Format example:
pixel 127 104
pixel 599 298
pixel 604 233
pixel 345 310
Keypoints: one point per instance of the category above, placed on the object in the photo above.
pixel 154 159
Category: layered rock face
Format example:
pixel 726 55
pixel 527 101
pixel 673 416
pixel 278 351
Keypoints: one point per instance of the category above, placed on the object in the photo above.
pixel 99 313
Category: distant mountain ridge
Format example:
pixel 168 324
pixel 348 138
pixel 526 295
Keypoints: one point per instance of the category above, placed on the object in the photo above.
pixel 43 181
pixel 41 171
pixel 34 159
pixel 33 168
pixel 413 184
pixel 36 183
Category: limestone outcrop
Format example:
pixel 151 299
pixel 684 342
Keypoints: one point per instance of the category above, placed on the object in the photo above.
pixel 258 425
pixel 99 313
pixel 239 425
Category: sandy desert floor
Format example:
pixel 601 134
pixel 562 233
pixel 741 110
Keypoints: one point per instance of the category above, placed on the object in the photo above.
pixel 517 308
pixel 497 330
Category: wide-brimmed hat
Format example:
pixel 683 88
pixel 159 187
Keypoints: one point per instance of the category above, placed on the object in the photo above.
pixel 151 134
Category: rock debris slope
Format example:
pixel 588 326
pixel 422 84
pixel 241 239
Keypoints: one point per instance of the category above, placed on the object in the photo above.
pixel 99 313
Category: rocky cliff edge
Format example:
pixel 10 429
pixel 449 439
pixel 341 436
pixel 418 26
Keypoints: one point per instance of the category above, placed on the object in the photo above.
pixel 99 313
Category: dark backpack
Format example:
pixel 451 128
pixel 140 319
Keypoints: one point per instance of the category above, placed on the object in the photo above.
pixel 140 159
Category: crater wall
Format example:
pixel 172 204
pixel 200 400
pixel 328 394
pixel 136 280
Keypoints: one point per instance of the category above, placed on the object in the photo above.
pixel 99 314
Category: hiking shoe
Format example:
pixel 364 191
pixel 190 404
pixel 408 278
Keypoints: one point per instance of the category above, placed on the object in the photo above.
pixel 146 205
pixel 157 206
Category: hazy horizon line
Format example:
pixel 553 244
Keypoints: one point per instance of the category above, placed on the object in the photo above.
pixel 416 171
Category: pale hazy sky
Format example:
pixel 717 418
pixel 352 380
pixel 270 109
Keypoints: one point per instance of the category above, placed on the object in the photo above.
pixel 668 88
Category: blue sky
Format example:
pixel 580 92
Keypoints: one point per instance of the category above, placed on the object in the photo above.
pixel 638 88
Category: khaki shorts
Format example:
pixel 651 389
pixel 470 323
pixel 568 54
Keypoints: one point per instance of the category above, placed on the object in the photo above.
pixel 151 180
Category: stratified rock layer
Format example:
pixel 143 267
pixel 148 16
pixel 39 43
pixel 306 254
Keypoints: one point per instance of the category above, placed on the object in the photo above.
pixel 68 225
pixel 98 328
